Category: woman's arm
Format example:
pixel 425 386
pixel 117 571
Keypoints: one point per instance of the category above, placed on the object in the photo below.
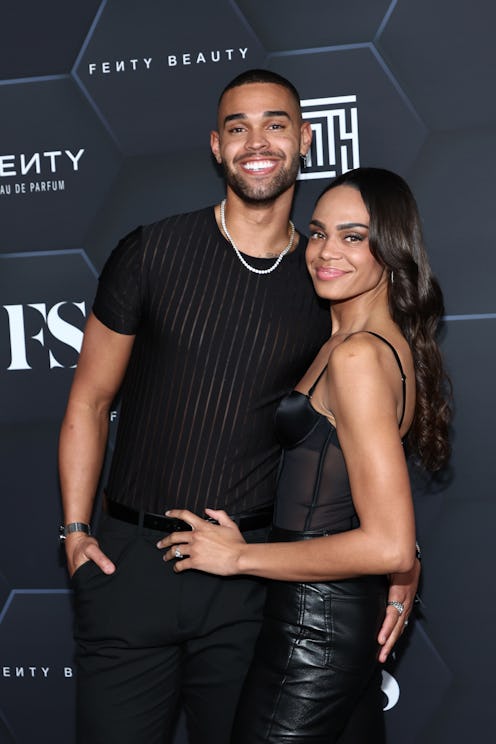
pixel 364 391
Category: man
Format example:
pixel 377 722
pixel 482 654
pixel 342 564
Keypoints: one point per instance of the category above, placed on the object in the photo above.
pixel 204 321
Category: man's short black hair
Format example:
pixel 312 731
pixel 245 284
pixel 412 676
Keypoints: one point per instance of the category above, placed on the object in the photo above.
pixel 262 76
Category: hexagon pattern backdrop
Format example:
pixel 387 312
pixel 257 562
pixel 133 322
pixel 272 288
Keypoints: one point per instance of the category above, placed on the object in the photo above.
pixel 106 113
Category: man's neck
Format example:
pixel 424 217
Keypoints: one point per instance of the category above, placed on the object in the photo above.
pixel 259 230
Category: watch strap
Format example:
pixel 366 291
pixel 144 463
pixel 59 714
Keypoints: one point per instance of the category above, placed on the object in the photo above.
pixel 68 529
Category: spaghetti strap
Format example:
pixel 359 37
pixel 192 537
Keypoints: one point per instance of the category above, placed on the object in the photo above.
pixel 403 376
pixel 398 361
pixel 312 389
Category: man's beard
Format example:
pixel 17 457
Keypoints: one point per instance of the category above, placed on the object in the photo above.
pixel 262 193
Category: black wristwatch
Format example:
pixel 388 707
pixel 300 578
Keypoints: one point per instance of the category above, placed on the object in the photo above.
pixel 67 529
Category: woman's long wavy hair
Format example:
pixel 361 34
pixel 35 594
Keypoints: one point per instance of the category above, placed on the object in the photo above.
pixel 415 301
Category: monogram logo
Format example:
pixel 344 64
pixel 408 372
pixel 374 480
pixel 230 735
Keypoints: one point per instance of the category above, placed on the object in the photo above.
pixel 335 147
pixel 38 324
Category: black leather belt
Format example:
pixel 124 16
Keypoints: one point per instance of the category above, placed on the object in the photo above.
pixel 254 520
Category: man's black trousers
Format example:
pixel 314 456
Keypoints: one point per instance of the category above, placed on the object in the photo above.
pixel 149 640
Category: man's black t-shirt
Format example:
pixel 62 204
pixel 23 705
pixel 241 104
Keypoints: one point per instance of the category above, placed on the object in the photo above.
pixel 216 348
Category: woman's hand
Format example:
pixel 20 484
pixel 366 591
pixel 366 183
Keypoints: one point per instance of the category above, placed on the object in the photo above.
pixel 214 548
pixel 402 588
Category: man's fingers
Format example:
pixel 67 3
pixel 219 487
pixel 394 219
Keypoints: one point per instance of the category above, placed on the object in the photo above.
pixel 90 551
pixel 103 562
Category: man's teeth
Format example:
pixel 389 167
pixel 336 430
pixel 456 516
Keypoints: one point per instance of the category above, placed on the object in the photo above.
pixel 258 165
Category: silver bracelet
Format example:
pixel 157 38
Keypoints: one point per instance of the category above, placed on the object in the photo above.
pixel 73 527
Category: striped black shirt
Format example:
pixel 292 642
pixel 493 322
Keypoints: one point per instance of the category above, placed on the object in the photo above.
pixel 216 348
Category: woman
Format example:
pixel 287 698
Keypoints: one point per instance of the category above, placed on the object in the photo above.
pixel 344 516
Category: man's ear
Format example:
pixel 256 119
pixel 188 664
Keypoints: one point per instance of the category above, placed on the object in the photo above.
pixel 305 137
pixel 215 146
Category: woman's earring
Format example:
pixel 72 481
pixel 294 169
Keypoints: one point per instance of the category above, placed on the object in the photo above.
pixel 392 277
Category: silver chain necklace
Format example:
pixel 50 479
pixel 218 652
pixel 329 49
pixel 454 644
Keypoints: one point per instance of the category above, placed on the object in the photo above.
pixel 236 249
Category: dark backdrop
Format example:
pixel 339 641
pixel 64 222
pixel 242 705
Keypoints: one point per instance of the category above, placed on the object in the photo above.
pixel 106 109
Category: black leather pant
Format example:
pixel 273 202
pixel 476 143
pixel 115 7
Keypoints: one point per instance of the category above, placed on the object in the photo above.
pixel 315 664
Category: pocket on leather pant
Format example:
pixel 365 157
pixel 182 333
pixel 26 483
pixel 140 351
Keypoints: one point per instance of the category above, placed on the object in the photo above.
pixel 354 623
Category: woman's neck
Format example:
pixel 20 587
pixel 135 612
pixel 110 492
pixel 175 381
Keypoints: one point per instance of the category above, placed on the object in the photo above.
pixel 360 313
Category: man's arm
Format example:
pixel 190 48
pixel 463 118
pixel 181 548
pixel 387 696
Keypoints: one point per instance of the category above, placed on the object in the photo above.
pixel 402 588
pixel 83 436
